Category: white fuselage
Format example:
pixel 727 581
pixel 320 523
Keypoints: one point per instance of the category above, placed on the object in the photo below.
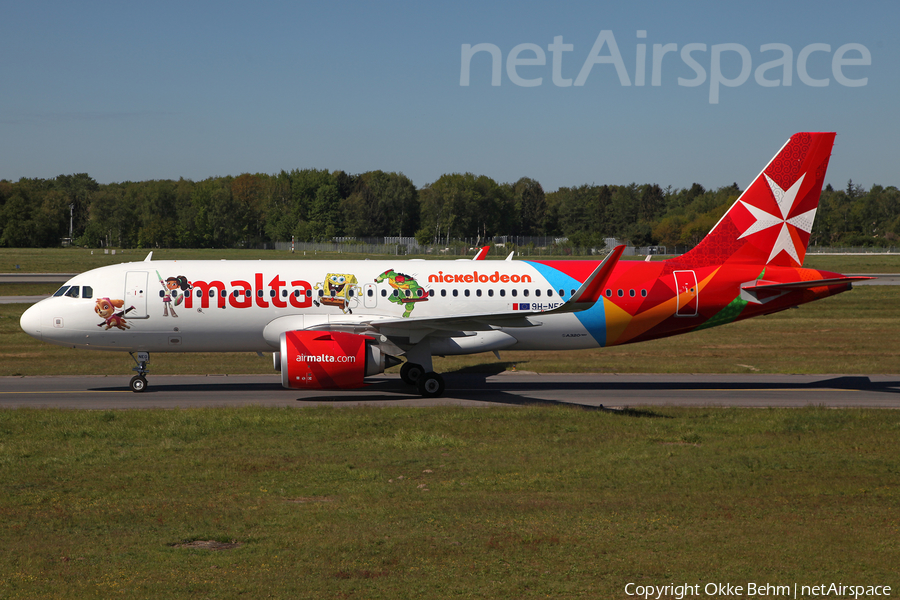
pixel 239 306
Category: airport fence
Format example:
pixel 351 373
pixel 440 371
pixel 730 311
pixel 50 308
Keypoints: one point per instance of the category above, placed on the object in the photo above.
pixel 545 247
pixel 853 250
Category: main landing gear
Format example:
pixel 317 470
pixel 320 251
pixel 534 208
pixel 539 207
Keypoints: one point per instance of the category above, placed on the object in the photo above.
pixel 430 385
pixel 139 382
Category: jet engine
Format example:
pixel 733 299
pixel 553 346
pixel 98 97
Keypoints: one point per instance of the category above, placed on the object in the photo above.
pixel 329 359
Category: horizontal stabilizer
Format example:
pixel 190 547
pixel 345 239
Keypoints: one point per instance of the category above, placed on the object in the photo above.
pixel 800 285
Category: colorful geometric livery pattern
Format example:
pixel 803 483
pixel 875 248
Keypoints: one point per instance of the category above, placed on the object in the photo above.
pixel 771 222
pixel 749 264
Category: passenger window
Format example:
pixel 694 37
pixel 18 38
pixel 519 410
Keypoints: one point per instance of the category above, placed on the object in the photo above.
pixel 491 293
pixel 309 293
pixel 61 291
pixel 87 292
pixel 162 293
pixel 259 293
pixel 431 293
pixel 383 293
pixel 537 293
pixel 467 293
pixel 514 293
pixel 609 293
pixel 199 293
pixel 443 293
pixel 212 293
pixel 502 293
pixel 455 293
pixel 525 293
pixel 621 293
pixel 284 293
pixel 572 293
pixel 644 293
pixel 247 293
pixel 631 293
pixel 223 293
pixel 478 293
pixel 370 293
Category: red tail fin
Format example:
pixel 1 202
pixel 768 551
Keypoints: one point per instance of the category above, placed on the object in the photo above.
pixel 770 223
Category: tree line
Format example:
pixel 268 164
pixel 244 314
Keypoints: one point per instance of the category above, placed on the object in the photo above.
pixel 318 205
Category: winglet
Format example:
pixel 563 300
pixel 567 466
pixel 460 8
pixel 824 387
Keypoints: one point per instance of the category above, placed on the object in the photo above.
pixel 587 295
pixel 482 254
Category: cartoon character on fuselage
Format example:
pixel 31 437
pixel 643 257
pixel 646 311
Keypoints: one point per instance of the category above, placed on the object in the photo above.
pixel 106 310
pixel 407 290
pixel 338 290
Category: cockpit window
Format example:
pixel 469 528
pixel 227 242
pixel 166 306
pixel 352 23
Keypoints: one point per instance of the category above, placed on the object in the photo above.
pixel 87 291
pixel 61 291
pixel 73 291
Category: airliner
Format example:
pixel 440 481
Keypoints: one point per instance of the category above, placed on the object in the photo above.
pixel 331 324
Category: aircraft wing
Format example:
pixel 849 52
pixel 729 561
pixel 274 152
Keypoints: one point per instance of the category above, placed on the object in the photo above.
pixel 416 328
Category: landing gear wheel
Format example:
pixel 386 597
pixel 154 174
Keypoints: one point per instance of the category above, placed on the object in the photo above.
pixel 410 373
pixel 431 385
pixel 138 383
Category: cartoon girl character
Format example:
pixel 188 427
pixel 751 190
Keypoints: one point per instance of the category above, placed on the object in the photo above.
pixel 174 293
pixel 170 288
pixel 106 309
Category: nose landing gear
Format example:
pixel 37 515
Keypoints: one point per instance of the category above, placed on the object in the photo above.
pixel 139 382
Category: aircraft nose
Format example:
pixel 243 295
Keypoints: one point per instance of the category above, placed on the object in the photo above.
pixel 30 322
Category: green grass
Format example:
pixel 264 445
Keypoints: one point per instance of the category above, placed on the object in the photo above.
pixel 442 503
pixel 854 332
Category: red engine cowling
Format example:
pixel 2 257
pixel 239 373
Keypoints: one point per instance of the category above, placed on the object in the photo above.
pixel 329 359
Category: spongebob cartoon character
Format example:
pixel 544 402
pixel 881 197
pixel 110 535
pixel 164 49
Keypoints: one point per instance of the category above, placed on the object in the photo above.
pixel 407 290
pixel 338 289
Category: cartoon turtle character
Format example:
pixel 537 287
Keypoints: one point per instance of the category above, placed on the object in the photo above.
pixel 407 290
pixel 337 290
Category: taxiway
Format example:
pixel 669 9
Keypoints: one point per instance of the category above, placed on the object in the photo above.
pixel 589 391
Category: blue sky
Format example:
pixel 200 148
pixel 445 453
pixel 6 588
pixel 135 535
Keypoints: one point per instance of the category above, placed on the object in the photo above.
pixel 162 90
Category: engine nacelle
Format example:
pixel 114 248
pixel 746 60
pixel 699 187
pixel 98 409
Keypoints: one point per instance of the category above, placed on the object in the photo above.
pixel 329 359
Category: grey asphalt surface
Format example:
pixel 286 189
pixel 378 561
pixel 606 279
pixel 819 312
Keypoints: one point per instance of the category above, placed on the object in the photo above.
pixel 591 391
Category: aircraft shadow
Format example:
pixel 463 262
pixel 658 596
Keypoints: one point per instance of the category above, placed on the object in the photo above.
pixel 473 385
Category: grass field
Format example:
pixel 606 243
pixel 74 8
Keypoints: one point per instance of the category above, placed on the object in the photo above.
pixel 525 502
pixel 442 503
